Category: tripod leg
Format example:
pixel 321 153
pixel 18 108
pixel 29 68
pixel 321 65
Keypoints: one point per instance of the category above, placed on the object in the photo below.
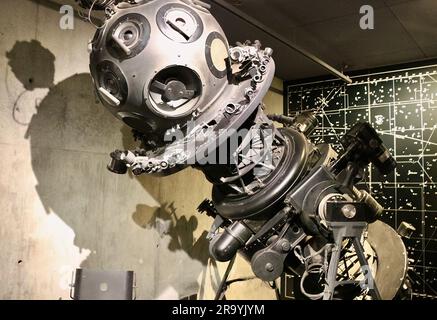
pixel 332 272
pixel 222 288
pixel 374 292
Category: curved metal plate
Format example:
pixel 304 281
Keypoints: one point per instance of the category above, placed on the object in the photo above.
pixel 392 258
pixel 285 176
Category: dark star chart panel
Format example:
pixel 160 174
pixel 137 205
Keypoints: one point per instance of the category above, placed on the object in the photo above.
pixel 402 106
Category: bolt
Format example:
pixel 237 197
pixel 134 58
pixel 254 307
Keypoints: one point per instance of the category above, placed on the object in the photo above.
pixel 137 171
pixel 269 267
pixel 164 164
pixel 268 52
pixel 249 92
pixel 285 245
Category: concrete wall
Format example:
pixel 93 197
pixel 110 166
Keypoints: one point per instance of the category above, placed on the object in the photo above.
pixel 61 209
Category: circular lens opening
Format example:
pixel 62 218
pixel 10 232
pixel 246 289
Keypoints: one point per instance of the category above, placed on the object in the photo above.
pixel 175 91
pixel 128 35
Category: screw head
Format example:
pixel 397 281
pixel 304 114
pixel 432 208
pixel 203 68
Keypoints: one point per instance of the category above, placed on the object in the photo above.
pixel 285 245
pixel 137 171
pixel 349 211
pixel 269 267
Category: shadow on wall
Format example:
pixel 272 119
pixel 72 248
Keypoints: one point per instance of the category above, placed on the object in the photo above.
pixel 30 74
pixel 27 59
pixel 70 137
pixel 165 221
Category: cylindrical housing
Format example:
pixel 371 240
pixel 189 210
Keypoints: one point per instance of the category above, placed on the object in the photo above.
pixel 375 208
pixel 225 245
pixel 306 122
pixel 117 165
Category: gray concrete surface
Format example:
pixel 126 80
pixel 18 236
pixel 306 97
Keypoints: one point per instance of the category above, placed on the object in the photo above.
pixel 60 208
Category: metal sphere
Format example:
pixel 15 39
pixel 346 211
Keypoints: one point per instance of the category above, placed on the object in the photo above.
pixel 156 64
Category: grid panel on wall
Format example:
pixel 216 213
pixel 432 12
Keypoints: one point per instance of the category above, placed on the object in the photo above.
pixel 402 106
